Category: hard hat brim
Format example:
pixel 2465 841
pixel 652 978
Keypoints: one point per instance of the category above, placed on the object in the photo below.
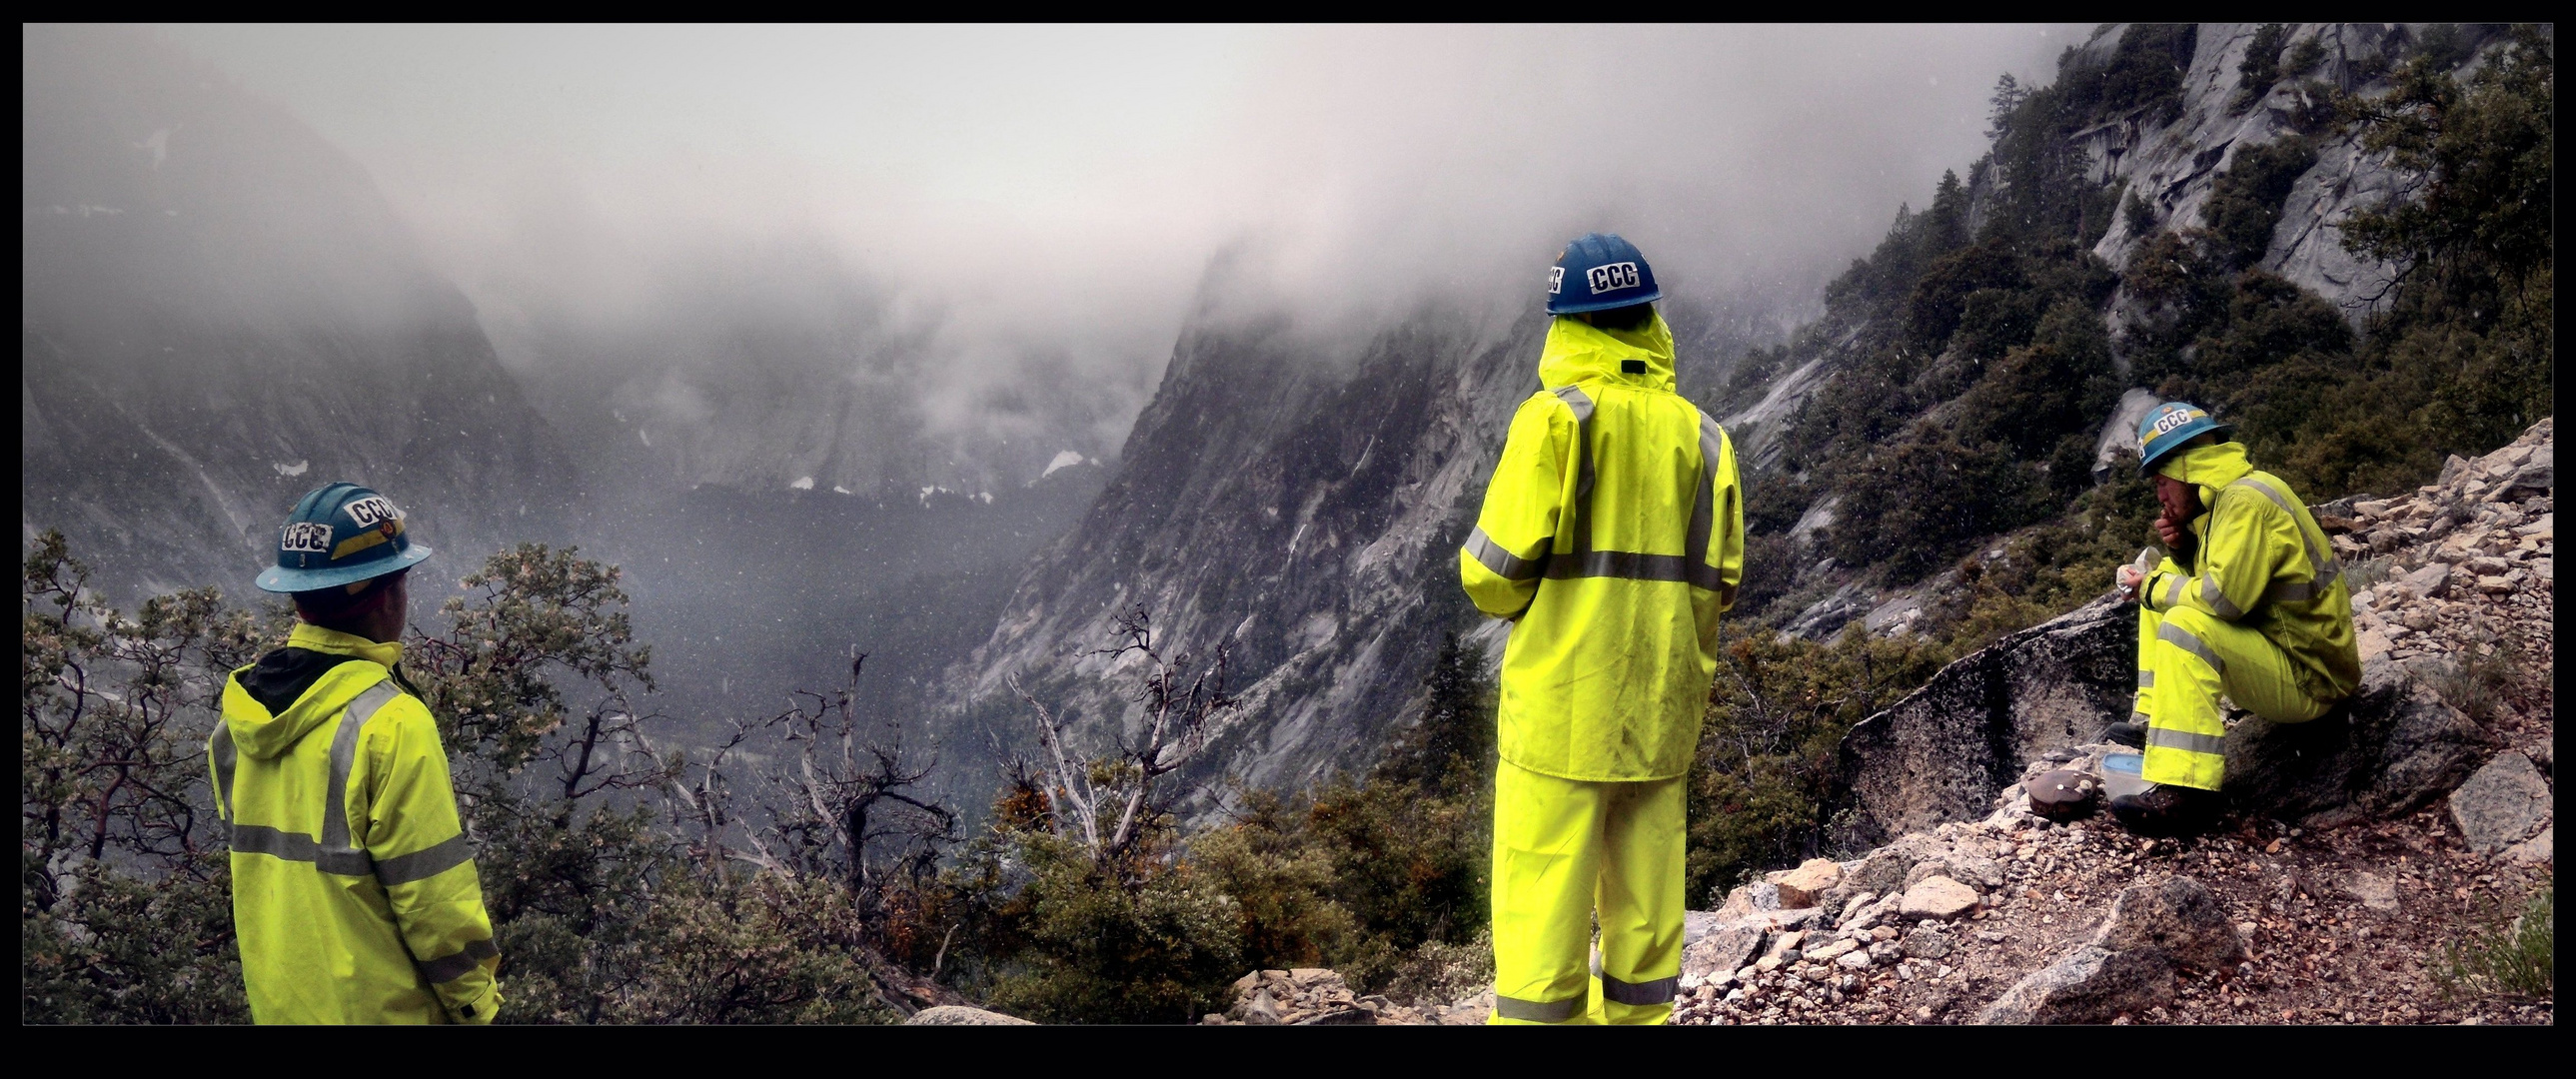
pixel 281 579
pixel 2175 438
pixel 1577 307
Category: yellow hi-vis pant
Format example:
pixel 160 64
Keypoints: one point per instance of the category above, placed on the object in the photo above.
pixel 2186 657
pixel 1562 851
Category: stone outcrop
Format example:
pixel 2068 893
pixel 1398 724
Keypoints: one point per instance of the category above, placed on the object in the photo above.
pixel 2091 984
pixel 2129 964
pixel 1941 753
pixel 2395 746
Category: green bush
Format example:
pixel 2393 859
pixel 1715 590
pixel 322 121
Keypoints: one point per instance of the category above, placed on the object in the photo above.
pixel 2516 959
pixel 2245 201
pixel 2261 67
pixel 1776 717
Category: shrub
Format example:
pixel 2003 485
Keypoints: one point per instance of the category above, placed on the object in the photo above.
pixel 2515 959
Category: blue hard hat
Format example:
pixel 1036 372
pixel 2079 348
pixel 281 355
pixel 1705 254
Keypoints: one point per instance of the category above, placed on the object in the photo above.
pixel 340 534
pixel 1597 272
pixel 2167 426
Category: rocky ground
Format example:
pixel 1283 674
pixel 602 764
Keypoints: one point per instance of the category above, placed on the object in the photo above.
pixel 2326 913
pixel 2343 920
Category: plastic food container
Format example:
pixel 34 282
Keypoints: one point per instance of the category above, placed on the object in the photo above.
pixel 2120 775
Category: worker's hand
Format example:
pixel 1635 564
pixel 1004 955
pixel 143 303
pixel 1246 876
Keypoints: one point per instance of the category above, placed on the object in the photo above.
pixel 2130 577
pixel 2175 534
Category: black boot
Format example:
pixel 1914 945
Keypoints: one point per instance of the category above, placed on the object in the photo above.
pixel 2164 810
pixel 2128 733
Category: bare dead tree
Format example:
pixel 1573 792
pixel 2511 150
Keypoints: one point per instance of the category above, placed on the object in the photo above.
pixel 834 794
pixel 1182 694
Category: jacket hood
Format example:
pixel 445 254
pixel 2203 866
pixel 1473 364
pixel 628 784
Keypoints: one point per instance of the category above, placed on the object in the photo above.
pixel 1578 351
pixel 2208 468
pixel 264 734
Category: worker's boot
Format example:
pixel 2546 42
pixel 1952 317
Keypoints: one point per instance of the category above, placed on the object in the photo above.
pixel 2128 733
pixel 2165 810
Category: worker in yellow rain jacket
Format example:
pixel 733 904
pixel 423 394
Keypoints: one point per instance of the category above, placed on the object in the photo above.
pixel 354 890
pixel 1612 535
pixel 2249 602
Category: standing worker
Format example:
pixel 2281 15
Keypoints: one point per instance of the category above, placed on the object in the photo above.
pixel 354 890
pixel 1612 535
pixel 2249 602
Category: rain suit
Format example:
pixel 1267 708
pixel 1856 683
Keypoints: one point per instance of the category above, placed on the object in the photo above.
pixel 2260 612
pixel 1612 534
pixel 355 895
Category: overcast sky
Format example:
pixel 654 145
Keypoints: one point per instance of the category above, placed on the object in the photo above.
pixel 1071 184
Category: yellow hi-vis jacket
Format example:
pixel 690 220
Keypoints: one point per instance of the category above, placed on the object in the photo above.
pixel 1613 532
pixel 2263 563
pixel 354 889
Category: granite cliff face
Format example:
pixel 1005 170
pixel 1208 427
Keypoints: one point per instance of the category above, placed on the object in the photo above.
pixel 1302 510
pixel 2173 165
pixel 218 312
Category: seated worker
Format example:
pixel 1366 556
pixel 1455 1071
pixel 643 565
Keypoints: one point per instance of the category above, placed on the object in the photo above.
pixel 2249 602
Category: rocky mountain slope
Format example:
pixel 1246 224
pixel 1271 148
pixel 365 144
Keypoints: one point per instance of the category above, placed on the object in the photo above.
pixel 218 312
pixel 2155 164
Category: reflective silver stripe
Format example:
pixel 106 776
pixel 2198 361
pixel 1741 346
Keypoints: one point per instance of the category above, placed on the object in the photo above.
pixel 1576 521
pixel 2217 600
pixel 1629 565
pixel 448 968
pixel 1552 1011
pixel 2183 639
pixel 2173 592
pixel 424 864
pixel 339 855
pixel 2296 591
pixel 1659 991
pixel 220 744
pixel 2169 738
pixel 261 839
pixel 1503 562
pixel 1703 518
pixel 2146 679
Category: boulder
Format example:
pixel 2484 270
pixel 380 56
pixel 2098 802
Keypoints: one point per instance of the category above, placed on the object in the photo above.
pixel 2179 917
pixel 1749 899
pixel 1938 899
pixel 1722 951
pixel 1942 752
pixel 1806 885
pixel 2390 749
pixel 2501 803
pixel 958 1015
pixel 2091 984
